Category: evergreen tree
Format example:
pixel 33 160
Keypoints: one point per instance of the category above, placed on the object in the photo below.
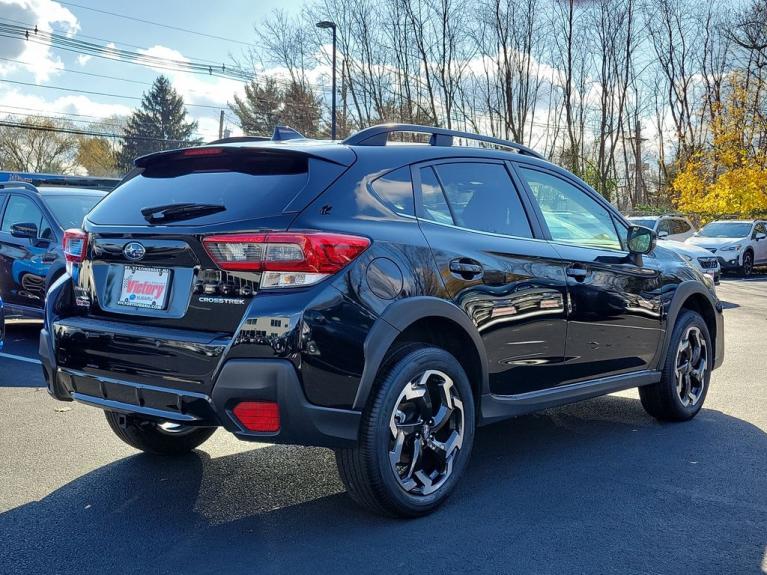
pixel 266 106
pixel 158 124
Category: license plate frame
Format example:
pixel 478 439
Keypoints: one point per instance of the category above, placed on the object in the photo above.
pixel 150 290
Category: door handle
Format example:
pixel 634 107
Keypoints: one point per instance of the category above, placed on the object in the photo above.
pixel 467 269
pixel 577 273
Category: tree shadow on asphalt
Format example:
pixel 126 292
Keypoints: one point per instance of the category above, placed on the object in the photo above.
pixel 596 487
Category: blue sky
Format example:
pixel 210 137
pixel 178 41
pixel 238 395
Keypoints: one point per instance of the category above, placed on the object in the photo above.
pixel 44 65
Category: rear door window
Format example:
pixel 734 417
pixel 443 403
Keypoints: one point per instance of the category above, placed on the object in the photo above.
pixel 435 206
pixel 482 197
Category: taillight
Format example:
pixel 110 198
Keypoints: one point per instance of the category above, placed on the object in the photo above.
pixel 75 245
pixel 287 259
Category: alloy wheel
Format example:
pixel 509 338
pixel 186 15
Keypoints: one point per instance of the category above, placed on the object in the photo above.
pixel 427 431
pixel 691 364
pixel 748 264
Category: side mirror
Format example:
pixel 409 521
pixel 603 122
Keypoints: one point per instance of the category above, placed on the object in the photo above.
pixel 663 234
pixel 641 240
pixel 25 230
pixel 760 236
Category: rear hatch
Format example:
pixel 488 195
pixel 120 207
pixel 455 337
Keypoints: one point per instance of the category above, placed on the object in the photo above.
pixel 154 304
pixel 146 262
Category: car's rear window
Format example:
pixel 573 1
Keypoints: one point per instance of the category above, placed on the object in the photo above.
pixel 255 187
pixel 69 209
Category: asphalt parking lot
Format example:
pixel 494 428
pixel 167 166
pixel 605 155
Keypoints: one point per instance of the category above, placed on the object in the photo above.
pixel 597 487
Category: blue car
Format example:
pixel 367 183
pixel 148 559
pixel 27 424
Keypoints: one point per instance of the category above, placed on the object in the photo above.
pixel 2 324
pixel 32 225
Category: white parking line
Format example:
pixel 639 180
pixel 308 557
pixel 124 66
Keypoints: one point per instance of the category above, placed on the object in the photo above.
pixel 20 358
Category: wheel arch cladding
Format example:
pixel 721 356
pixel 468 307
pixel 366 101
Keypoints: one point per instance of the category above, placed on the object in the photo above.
pixel 692 296
pixel 423 320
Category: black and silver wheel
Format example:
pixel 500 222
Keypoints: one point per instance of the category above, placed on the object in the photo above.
pixel 686 373
pixel 416 436
pixel 747 265
pixel 157 437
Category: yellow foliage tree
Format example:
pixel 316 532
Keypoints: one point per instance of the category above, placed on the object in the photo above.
pixel 730 176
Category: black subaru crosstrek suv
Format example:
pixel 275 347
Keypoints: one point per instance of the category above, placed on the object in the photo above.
pixel 380 300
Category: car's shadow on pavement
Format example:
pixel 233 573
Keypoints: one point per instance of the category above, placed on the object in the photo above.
pixel 596 487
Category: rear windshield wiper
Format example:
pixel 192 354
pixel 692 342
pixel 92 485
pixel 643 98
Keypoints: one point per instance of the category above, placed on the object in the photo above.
pixel 175 212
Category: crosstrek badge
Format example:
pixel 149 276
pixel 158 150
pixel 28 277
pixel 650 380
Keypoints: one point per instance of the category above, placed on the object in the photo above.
pixel 144 287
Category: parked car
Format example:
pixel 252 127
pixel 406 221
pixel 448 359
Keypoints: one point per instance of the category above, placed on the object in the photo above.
pixel 700 258
pixel 738 244
pixel 380 300
pixel 677 228
pixel 32 225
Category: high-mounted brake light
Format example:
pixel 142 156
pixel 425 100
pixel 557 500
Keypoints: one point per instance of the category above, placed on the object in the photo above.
pixel 201 152
pixel 287 259
pixel 75 245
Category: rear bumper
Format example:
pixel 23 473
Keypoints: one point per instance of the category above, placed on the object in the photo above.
pixel 301 422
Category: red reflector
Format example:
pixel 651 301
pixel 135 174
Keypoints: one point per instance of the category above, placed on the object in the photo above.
pixel 75 245
pixel 258 415
pixel 202 152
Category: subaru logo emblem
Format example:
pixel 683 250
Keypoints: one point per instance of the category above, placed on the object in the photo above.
pixel 134 251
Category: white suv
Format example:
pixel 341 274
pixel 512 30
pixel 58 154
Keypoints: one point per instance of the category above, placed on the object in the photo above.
pixel 677 228
pixel 738 244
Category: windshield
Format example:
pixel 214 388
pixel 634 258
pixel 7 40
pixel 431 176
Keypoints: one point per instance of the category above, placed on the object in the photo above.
pixel 70 210
pixel 645 222
pixel 725 230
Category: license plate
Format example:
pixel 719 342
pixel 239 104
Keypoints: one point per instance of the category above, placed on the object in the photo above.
pixel 145 287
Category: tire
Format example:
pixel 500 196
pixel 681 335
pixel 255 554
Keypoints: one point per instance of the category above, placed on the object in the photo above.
pixel 747 267
pixel 679 395
pixel 151 437
pixel 413 486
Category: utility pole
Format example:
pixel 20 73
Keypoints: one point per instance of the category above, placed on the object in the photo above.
pixel 221 125
pixel 638 164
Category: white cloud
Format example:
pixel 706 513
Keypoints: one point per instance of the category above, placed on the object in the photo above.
pixel 83 59
pixel 19 104
pixel 36 56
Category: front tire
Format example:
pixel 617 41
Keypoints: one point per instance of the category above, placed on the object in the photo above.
pixel 680 393
pixel 416 436
pixel 747 266
pixel 157 438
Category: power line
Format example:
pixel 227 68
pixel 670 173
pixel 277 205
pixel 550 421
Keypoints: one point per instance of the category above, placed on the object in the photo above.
pixel 95 93
pixel 168 26
pixel 106 40
pixel 89 133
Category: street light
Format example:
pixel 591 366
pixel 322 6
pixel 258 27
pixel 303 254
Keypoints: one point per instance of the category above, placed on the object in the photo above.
pixel 332 25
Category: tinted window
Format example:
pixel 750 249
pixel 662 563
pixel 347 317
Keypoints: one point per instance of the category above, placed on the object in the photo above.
pixel 679 227
pixel 725 230
pixel 22 210
pixel 70 210
pixel 646 223
pixel 664 226
pixel 249 186
pixel 571 215
pixel 482 197
pixel 758 228
pixel 396 190
pixel 435 206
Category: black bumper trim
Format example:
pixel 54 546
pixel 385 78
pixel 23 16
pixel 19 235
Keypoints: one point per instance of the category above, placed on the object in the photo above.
pixel 301 422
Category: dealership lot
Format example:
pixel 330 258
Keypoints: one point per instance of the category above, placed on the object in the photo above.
pixel 594 487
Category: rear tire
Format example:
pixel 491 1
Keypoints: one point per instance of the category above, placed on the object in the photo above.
pixel 680 393
pixel 156 437
pixel 416 436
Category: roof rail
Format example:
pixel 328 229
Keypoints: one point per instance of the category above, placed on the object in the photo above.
pixel 379 136
pixel 23 185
